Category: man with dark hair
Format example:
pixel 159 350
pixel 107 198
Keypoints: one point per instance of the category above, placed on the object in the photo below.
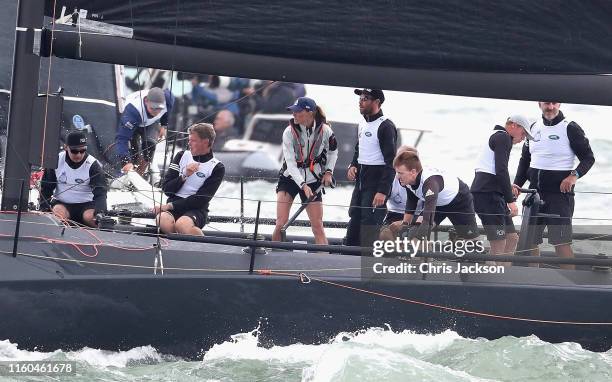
pixel 191 182
pixel 548 161
pixel 77 188
pixel 371 169
pixel 146 116
pixel 493 199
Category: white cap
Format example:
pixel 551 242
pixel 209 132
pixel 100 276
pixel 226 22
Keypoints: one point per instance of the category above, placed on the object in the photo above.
pixel 523 122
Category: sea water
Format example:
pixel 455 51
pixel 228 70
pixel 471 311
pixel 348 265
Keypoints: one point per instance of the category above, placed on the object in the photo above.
pixel 459 129
pixel 376 354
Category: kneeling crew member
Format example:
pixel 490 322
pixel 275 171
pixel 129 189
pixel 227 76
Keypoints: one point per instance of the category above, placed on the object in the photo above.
pixel 493 199
pixel 192 180
pixel 443 196
pixel 76 189
pixel 396 205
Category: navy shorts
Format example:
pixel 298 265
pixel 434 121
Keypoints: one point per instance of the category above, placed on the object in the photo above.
pixel 494 213
pixel 199 217
pixel 460 211
pixel 393 217
pixel 76 210
pixel 559 228
pixel 288 185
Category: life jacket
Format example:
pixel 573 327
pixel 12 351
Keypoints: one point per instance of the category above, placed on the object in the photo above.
pixel 312 158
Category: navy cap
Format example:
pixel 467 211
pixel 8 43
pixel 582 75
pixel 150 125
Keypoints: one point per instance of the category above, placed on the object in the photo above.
pixel 76 139
pixel 302 103
pixel 374 93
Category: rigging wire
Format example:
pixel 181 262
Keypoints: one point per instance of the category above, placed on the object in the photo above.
pixel 42 154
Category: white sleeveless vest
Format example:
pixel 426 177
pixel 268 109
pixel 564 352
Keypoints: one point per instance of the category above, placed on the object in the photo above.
pixel 73 183
pixel 448 193
pixel 196 180
pixel 551 148
pixel 486 160
pixel 369 146
pixel 397 199
pixel 136 99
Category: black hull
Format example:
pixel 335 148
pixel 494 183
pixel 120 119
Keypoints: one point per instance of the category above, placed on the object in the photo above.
pixel 55 302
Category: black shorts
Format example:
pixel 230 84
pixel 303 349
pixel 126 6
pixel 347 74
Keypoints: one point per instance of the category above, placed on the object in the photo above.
pixel 393 217
pixel 559 228
pixel 493 211
pixel 199 217
pixel 288 185
pixel 460 211
pixel 76 210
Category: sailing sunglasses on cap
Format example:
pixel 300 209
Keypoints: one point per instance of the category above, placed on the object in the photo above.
pixel 75 151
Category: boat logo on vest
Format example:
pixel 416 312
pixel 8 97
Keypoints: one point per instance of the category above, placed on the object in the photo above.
pixel 62 178
pixel 200 174
pixel 79 181
pixel 397 197
pixel 368 134
pixel 553 137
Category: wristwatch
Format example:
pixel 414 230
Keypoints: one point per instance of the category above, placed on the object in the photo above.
pixel 575 173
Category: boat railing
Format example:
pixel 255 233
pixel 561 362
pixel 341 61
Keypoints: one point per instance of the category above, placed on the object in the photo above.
pixel 244 220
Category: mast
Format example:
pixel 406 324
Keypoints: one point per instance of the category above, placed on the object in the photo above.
pixel 24 89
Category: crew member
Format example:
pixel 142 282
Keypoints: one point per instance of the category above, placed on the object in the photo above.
pixel 548 161
pixel 371 169
pixel 492 191
pixel 192 180
pixel 396 205
pixel 145 115
pixel 310 152
pixel 76 189
pixel 443 196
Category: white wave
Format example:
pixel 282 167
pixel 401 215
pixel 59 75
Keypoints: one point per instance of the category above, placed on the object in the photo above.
pixel 386 338
pixel 11 352
pixel 121 359
pixel 244 346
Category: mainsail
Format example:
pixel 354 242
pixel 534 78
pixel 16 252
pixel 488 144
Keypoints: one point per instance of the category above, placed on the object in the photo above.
pixel 551 37
pixel 518 50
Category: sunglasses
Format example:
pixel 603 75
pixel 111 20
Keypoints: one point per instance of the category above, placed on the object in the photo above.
pixel 365 98
pixel 75 151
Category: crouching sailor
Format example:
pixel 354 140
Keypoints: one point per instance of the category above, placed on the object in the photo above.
pixel 76 189
pixel 443 196
pixel 396 205
pixel 191 182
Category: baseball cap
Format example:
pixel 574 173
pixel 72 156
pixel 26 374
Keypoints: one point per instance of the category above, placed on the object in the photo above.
pixel 374 93
pixel 523 122
pixel 156 98
pixel 76 139
pixel 302 103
